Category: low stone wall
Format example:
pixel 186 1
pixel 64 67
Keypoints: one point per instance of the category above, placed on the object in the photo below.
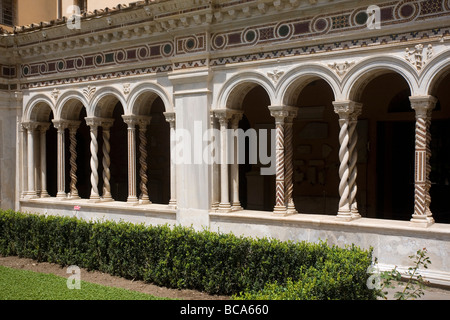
pixel 393 241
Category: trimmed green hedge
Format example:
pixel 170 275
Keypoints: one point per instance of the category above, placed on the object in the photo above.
pixel 181 257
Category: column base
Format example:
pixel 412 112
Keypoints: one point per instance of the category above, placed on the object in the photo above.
pixel 345 216
pixel 73 196
pixel 31 195
pixel 236 206
pixel 422 220
pixel 144 201
pixel 61 196
pixel 172 204
pixel 215 206
pixel 107 199
pixel 133 201
pixel 224 207
pixel 44 194
pixel 280 210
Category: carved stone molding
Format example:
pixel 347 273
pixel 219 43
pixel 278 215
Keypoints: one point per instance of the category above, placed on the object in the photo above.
pixel 275 75
pixel 341 68
pixel 89 92
pixel 417 57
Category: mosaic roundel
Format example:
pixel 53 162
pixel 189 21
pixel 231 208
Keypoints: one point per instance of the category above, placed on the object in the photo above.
pixel 167 49
pixel 284 30
pixel 250 36
pixel 190 44
pixel 406 10
pixel 219 41
pixel 320 25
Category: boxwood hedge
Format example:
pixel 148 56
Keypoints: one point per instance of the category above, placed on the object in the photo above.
pixel 180 257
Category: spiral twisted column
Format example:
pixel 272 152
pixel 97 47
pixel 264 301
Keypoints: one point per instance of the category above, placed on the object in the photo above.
pixel 106 125
pixel 353 140
pixel 93 125
pixel 423 106
pixel 344 110
pixel 31 128
pixel 143 122
pixel 131 133
pixel 171 119
pixel 43 127
pixel 61 125
pixel 73 127
pixel 280 114
pixel 289 164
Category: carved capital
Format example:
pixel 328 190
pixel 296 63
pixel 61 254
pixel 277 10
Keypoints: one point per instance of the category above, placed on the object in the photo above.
pixel 282 113
pixel 347 109
pixel 170 117
pixel 130 120
pixel 60 125
pixel 423 105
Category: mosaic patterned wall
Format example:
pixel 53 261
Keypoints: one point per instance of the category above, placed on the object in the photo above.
pixel 283 33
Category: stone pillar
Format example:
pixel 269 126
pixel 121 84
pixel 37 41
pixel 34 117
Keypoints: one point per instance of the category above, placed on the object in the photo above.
pixel 143 122
pixel 236 204
pixel 61 125
pixel 43 127
pixel 30 127
pixel 353 154
pixel 24 165
pixel 215 199
pixel 289 163
pixel 224 115
pixel 106 125
pixel 171 119
pixel 93 124
pixel 423 106
pixel 348 112
pixel 73 127
pixel 132 195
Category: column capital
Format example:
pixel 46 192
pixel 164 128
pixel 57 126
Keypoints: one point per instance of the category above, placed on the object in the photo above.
pixel 143 121
pixel 106 123
pixel 130 120
pixel 280 113
pixel 170 116
pixel 93 121
pixel 223 115
pixel 43 126
pixel 60 124
pixel 73 125
pixel 423 105
pixel 347 109
pixel 30 125
pixel 236 117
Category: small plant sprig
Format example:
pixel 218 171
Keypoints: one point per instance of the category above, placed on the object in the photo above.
pixel 415 284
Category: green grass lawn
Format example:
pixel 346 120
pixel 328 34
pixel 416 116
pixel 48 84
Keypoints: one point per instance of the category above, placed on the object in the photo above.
pixel 28 285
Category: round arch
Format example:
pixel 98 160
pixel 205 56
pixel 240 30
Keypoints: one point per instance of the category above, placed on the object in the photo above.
pixel 236 88
pixel 295 80
pixel 103 99
pixel 143 96
pixel 365 71
pixel 434 72
pixel 36 110
pixel 69 105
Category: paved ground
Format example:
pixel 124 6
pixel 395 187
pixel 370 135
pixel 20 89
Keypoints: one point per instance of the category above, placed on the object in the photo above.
pixel 431 293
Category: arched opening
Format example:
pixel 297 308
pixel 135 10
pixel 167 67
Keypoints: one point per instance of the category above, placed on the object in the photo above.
pixel 44 141
pixel 152 148
pixel 316 149
pixel 386 137
pixel 256 191
pixel 440 151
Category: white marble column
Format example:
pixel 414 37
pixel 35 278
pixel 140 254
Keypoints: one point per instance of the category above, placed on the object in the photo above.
pixel 143 122
pixel 236 204
pixel 353 154
pixel 347 111
pixel 43 127
pixel 106 125
pixel 423 106
pixel 171 118
pixel 131 133
pixel 61 125
pixel 24 164
pixel 224 116
pixel 73 127
pixel 215 196
pixel 30 127
pixel 93 124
